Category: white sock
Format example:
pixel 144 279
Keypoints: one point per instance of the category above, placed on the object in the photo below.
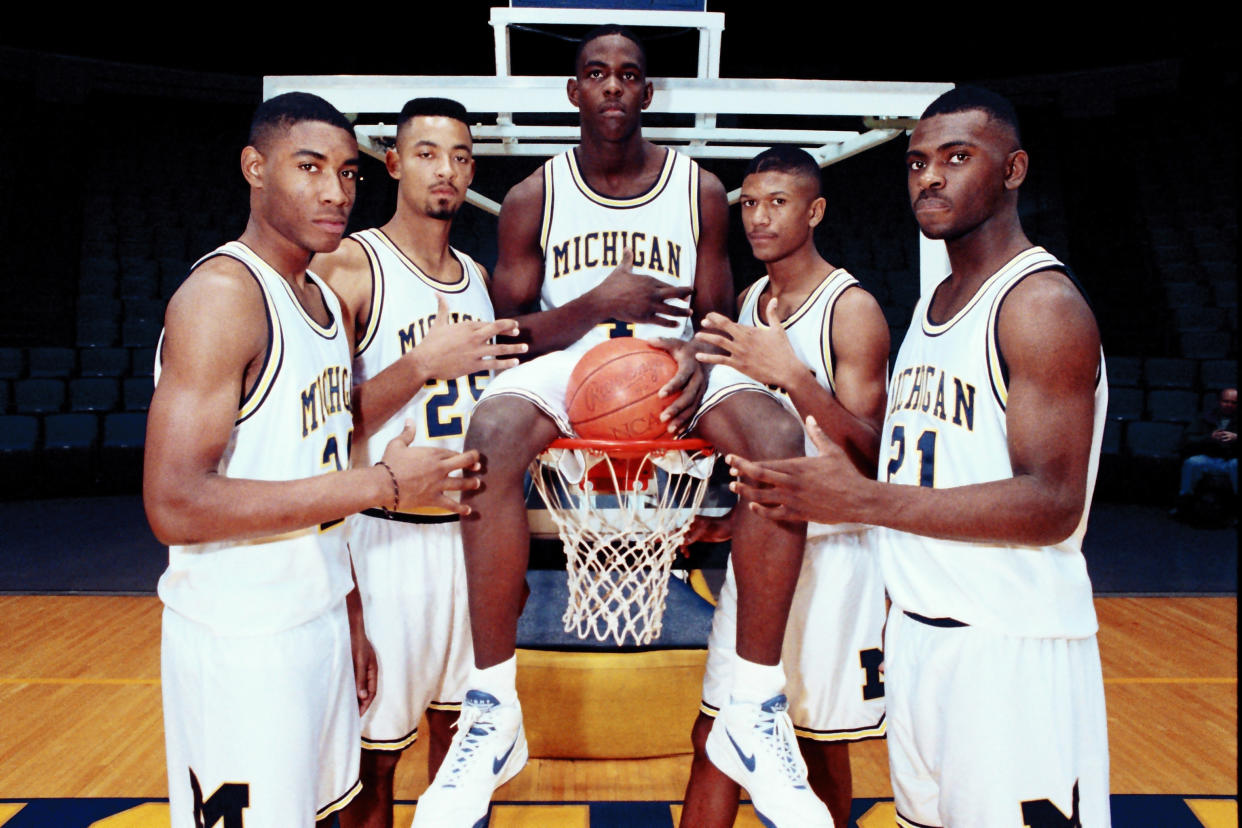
pixel 500 680
pixel 756 683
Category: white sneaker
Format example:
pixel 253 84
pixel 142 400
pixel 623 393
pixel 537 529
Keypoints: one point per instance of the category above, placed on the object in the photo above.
pixel 488 750
pixel 754 745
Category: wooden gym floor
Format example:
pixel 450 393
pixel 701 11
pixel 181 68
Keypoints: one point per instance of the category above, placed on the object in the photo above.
pixel 80 695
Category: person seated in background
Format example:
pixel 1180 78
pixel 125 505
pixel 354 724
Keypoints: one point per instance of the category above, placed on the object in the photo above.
pixel 1210 449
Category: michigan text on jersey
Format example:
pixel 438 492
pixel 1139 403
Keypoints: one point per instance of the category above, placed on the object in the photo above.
pixel 419 328
pixel 327 395
pixel 605 249
pixel 912 389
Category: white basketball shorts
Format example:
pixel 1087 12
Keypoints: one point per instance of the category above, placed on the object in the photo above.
pixel 832 648
pixel 259 728
pixel 412 578
pixel 994 731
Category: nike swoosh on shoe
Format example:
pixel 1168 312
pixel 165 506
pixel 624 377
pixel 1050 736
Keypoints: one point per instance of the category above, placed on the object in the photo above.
pixel 748 761
pixel 499 762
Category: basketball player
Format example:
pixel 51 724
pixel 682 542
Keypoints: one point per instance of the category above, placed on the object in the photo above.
pixel 424 332
pixel 264 666
pixel 991 439
pixel 808 329
pixel 616 237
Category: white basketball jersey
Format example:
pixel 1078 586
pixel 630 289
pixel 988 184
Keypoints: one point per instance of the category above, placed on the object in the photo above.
pixel 584 235
pixel 295 423
pixel 809 329
pixel 403 308
pixel 946 427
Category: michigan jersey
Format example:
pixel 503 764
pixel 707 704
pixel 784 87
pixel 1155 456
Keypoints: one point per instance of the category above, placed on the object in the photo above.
pixel 809 329
pixel 945 427
pixel 403 309
pixel 584 235
pixel 294 423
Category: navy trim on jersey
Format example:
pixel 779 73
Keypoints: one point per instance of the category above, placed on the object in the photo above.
pixel 260 384
pixel 410 517
pixel 936 622
pixel 628 202
pixel 994 334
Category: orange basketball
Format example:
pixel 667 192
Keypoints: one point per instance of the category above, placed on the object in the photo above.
pixel 612 392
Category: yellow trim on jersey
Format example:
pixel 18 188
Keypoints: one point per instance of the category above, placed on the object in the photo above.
pixel 837 281
pixel 377 292
pixel 444 287
pixel 243 252
pixel 803 308
pixel 825 334
pixel 695 218
pixel 339 803
pixel 400 743
pixel 275 354
pixel 1033 258
pixel 427 511
pixel 447 706
pixel 549 196
pixel 996 372
pixel 666 172
pixel 876 731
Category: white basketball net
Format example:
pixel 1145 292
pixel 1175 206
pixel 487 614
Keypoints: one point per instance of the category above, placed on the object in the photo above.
pixel 622 522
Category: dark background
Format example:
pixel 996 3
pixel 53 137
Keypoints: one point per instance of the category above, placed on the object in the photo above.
pixel 128 122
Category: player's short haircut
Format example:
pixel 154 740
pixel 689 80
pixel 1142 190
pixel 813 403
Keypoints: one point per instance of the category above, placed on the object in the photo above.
pixel 283 111
pixel 432 107
pixel 789 159
pixel 604 31
pixel 965 98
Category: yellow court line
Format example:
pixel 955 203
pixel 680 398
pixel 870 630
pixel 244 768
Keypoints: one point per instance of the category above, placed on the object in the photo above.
pixel 71 681
pixel 8 810
pixel 1215 813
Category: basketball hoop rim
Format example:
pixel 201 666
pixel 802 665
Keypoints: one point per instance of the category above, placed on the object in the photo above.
pixel 631 448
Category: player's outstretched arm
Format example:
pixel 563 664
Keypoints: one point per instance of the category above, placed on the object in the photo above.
pixel 215 340
pixel 516 284
pixel 1050 418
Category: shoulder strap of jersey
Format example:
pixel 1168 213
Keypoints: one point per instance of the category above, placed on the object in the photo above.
pixel 367 243
pixel 549 197
pixel 839 281
pixel 998 368
pixel 273 358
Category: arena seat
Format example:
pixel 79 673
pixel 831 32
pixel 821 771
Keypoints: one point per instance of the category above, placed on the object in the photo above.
pixel 1152 440
pixel 1202 345
pixel 1173 406
pixel 1125 403
pixel 1124 370
pixel 103 362
pixel 94 394
pixel 136 393
pixel 40 395
pixel 1165 372
pixel 50 362
pixel 142 361
pixel 12 363
pixel 1216 374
